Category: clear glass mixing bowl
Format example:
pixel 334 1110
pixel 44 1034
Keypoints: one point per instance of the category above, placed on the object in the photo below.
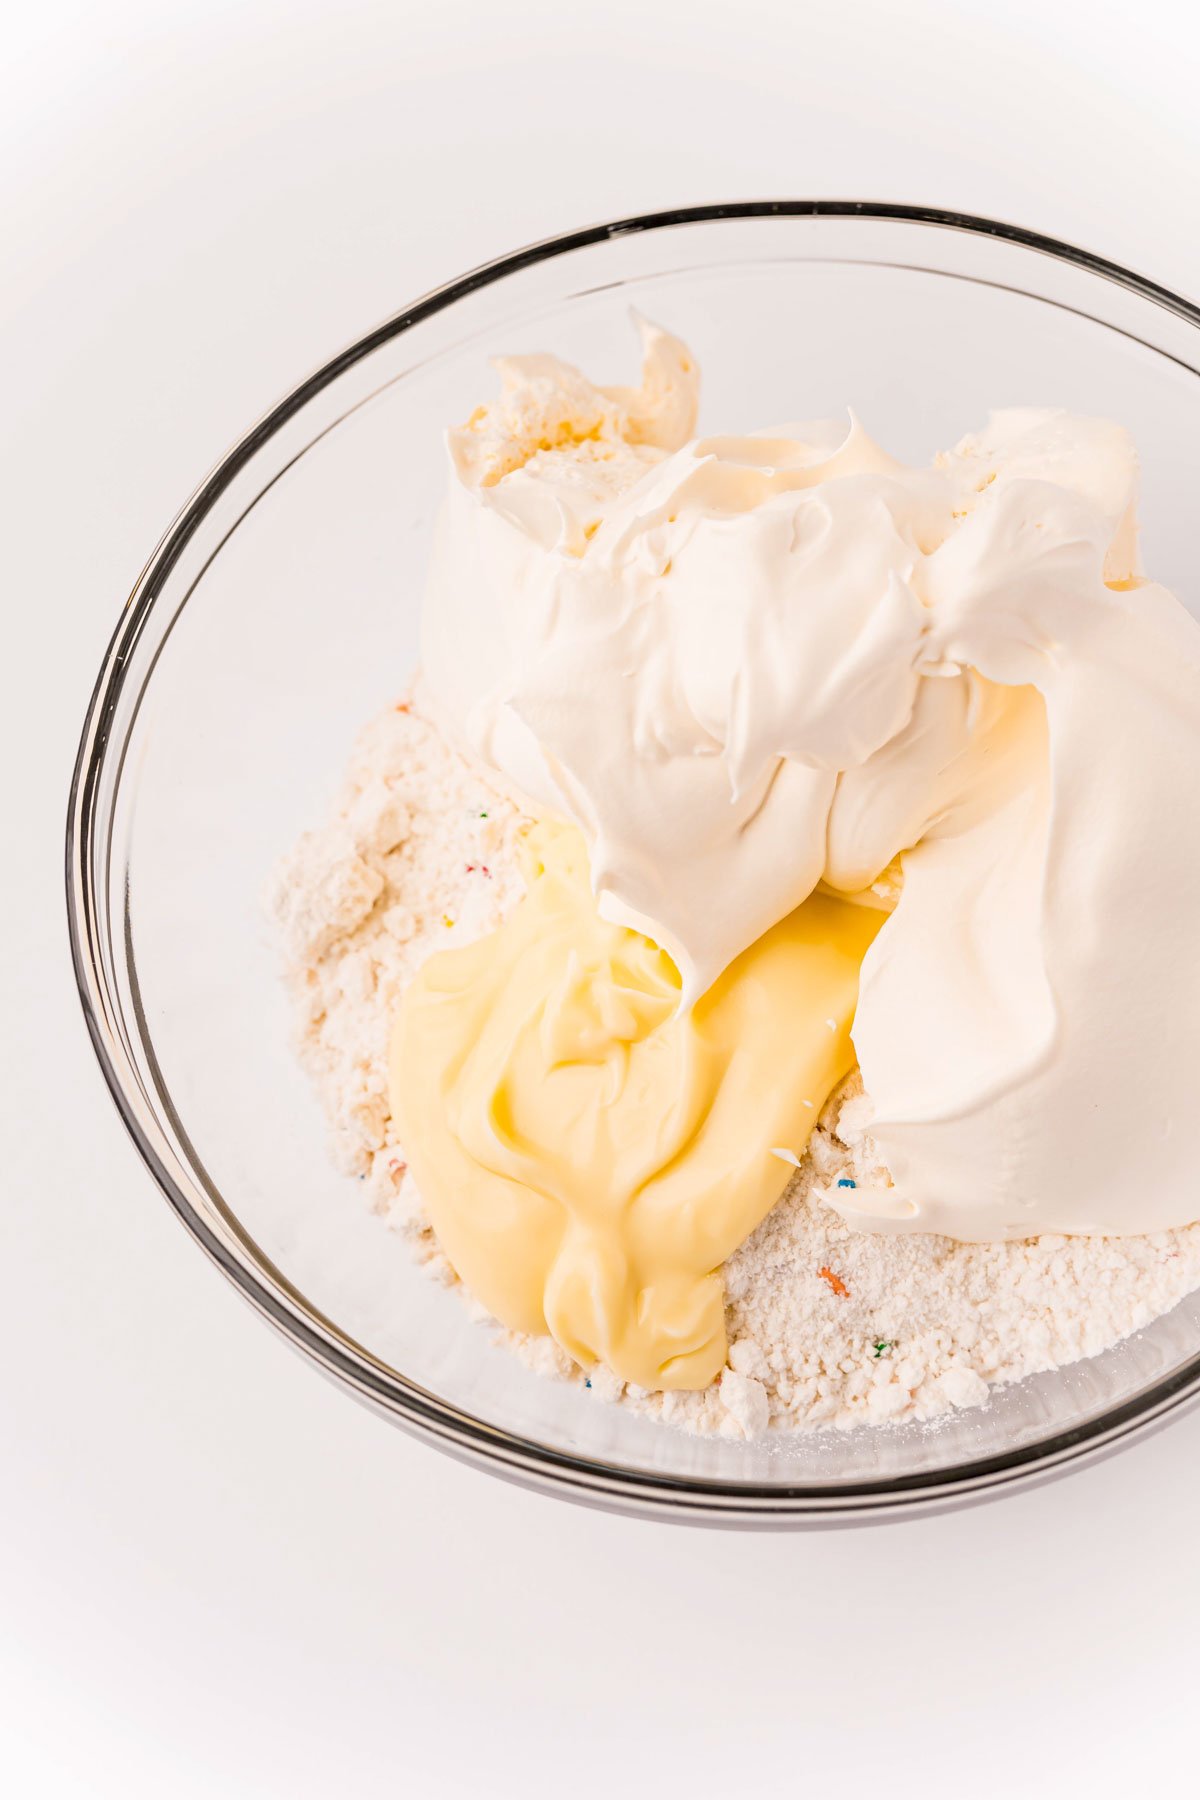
pixel 280 611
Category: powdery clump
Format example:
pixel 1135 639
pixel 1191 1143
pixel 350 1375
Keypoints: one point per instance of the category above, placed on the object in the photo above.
pixel 419 856
pixel 827 1326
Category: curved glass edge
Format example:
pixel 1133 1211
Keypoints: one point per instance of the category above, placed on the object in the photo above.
pixel 527 1462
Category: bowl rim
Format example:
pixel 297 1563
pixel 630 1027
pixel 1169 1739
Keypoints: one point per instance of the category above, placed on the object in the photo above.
pixel 532 1464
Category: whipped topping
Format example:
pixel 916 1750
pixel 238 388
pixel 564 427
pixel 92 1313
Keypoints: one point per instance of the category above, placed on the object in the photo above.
pixel 748 667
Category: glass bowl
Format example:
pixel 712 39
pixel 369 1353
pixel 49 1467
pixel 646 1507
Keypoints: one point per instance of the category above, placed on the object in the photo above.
pixel 280 612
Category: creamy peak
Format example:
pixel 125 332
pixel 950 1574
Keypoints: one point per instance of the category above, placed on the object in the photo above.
pixel 685 651
pixel 750 666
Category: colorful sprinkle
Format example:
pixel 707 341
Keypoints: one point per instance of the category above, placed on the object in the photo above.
pixel 447 921
pixel 882 1344
pixel 844 1181
pixel 587 1381
pixel 835 1281
pixel 483 815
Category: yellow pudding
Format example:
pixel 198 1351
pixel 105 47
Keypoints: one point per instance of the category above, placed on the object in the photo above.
pixel 589 1152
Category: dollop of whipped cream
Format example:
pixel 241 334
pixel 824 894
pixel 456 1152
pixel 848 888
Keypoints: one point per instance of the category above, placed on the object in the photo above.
pixel 752 667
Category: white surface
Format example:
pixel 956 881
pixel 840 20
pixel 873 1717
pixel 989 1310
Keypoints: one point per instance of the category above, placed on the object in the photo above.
pixel 221 1577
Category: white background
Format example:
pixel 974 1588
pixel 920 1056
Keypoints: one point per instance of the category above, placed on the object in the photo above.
pixel 219 1577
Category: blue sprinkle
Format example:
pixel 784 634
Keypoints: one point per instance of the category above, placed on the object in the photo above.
pixel 588 1381
pixel 846 1183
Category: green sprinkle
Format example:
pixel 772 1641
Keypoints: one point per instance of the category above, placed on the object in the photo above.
pixel 483 815
pixel 882 1344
